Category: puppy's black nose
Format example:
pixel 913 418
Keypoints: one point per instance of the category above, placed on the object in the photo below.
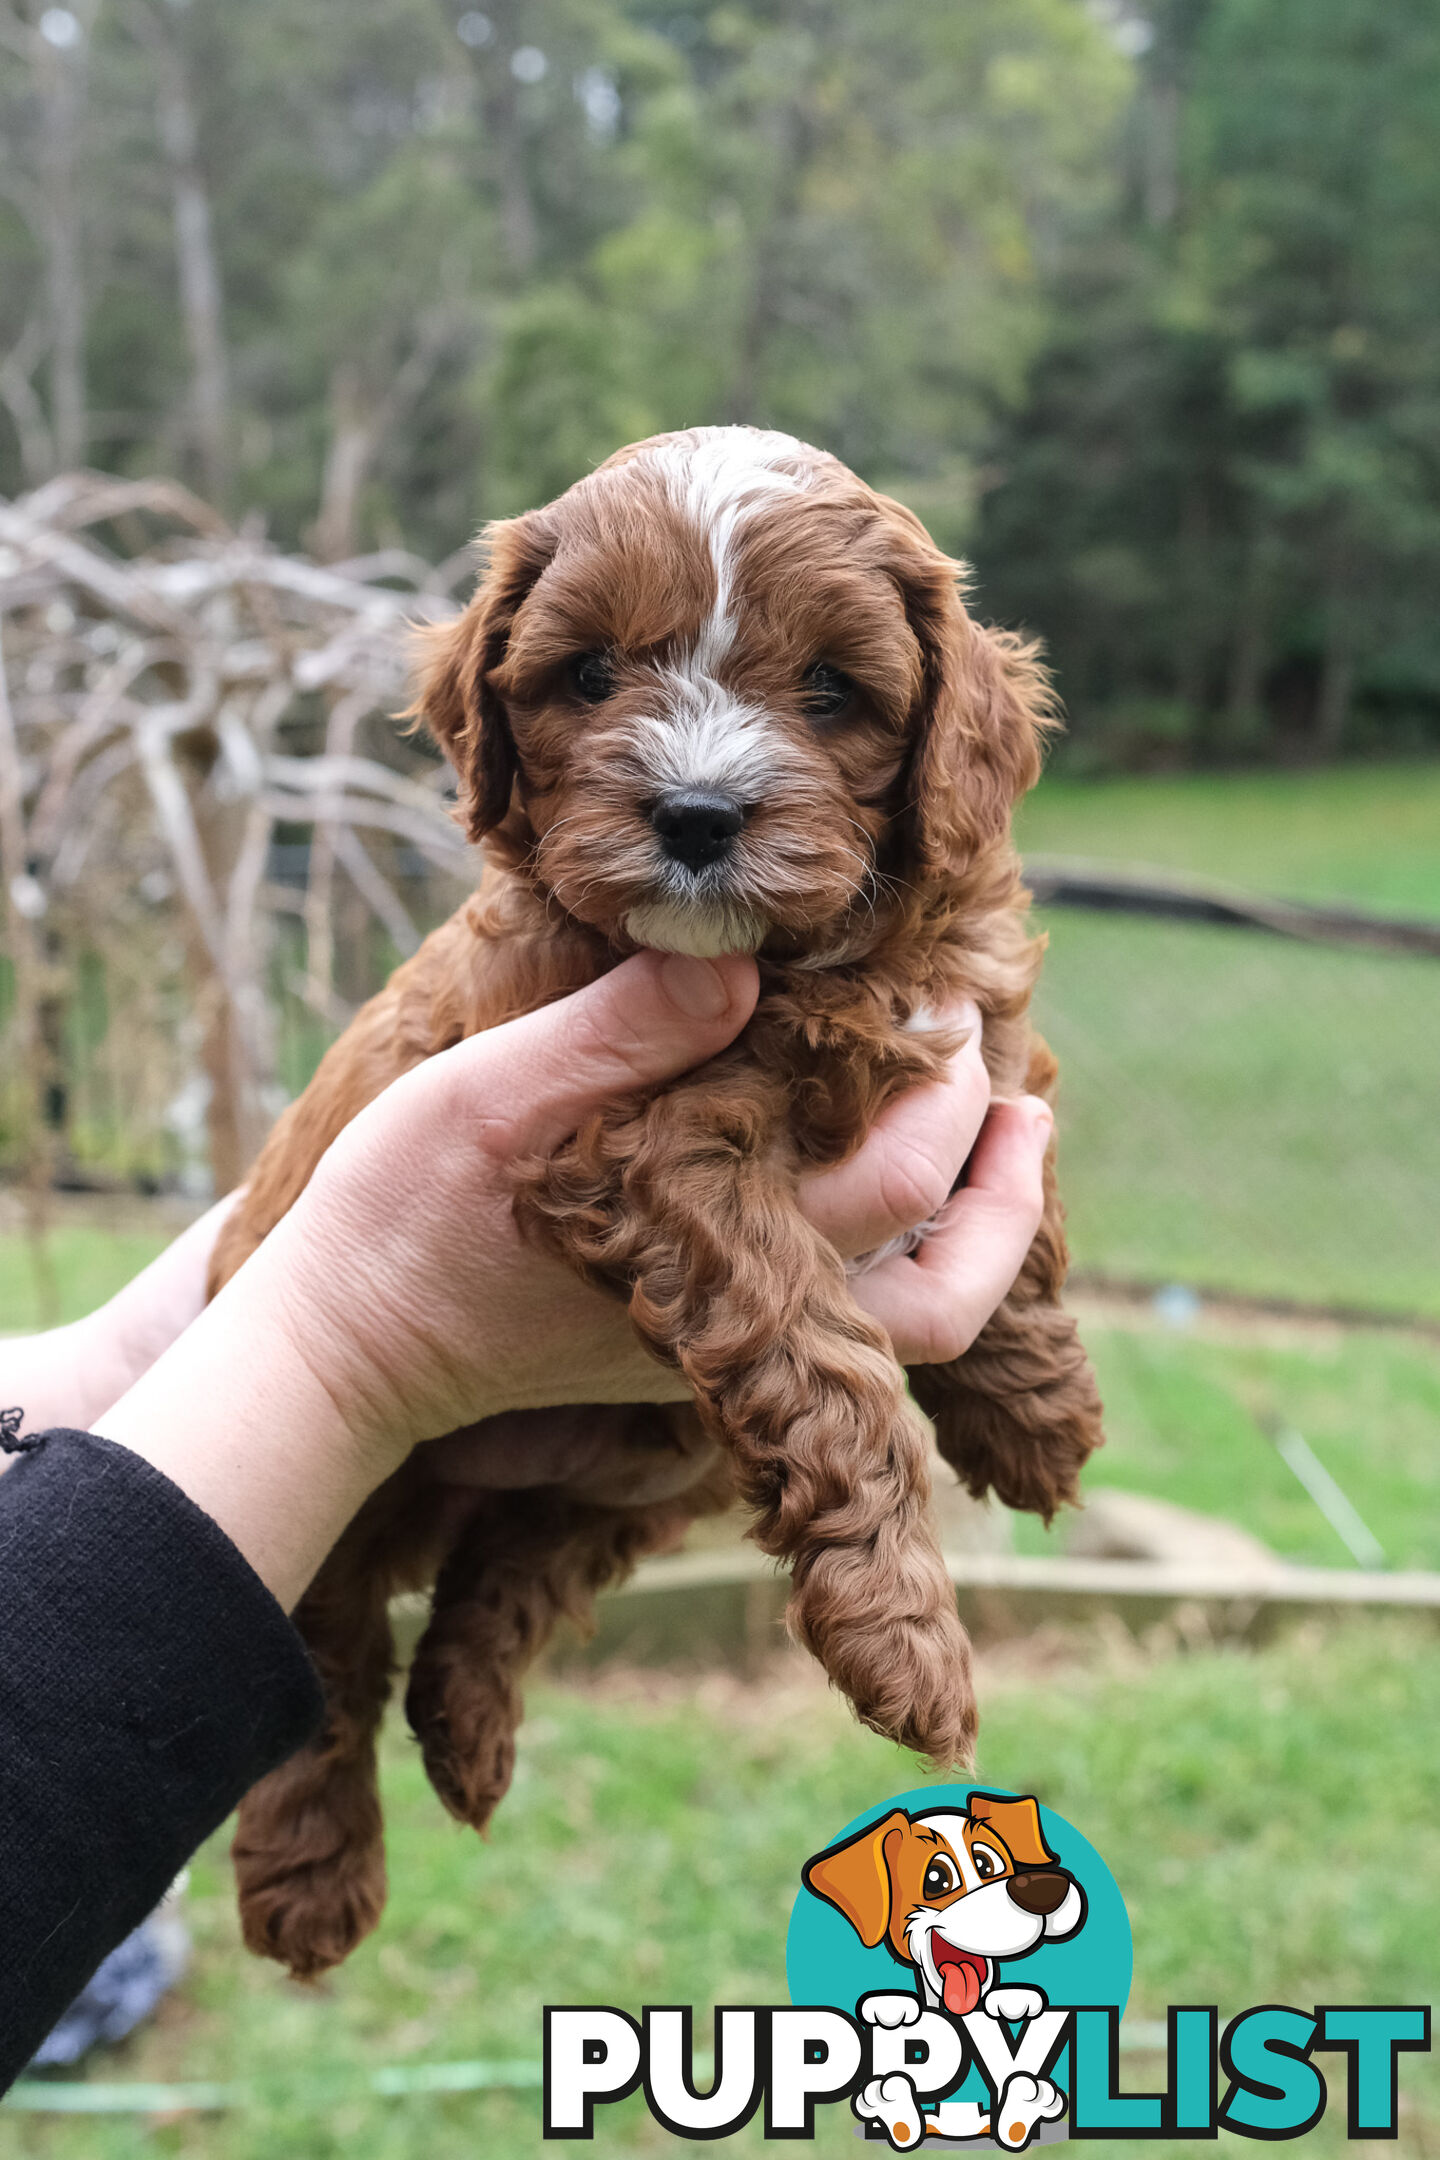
pixel 697 825
pixel 1041 1892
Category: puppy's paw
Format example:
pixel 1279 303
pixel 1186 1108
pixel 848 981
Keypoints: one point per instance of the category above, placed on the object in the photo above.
pixel 891 2102
pixel 467 1738
pixel 1025 2103
pixel 309 1918
pixel 1013 2002
pixel 890 2010
pixel 309 1856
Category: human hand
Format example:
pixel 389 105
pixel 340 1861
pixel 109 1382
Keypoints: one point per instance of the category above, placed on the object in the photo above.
pixel 424 1309
pixel 933 1304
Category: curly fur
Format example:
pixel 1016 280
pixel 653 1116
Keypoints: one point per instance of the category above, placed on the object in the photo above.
pixel 877 873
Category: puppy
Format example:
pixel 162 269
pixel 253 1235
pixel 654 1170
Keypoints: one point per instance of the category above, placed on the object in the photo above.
pixel 719 697
pixel 950 1893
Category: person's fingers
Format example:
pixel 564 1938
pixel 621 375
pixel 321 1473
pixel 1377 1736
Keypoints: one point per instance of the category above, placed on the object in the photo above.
pixel 912 1156
pixel 649 1019
pixel 935 1304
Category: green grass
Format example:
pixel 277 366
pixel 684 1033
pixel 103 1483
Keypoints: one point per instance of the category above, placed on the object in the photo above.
pixel 1352 832
pixel 1238 1111
pixel 1269 1816
pixel 1247 1114
pixel 1186 1421
pixel 90 1264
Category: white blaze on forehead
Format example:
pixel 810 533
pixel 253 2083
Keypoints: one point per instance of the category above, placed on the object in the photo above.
pixel 717 477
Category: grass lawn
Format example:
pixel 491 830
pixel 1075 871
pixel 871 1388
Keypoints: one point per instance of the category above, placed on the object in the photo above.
pixel 90 1264
pixel 1187 1417
pixel 1246 1114
pixel 1238 1111
pixel 1268 1815
pixel 1363 833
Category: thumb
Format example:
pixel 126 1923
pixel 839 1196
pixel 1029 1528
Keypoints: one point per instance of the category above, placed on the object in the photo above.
pixel 649 1019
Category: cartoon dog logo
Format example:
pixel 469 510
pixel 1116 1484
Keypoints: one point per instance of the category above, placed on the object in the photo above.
pixel 953 1893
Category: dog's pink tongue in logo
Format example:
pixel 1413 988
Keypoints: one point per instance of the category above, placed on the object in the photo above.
pixel 961 1978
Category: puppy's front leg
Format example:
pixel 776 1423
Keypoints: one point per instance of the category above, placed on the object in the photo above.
pixel 309 1847
pixel 1019 1413
pixel 690 1206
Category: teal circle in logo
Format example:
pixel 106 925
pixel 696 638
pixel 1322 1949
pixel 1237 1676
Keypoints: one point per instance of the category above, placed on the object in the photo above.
pixel 827 1962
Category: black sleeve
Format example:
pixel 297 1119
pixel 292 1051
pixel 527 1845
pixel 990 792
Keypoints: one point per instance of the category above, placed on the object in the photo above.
pixel 147 1679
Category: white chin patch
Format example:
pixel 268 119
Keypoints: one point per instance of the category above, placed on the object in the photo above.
pixel 704 930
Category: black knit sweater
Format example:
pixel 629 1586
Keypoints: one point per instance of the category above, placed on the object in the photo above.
pixel 147 1679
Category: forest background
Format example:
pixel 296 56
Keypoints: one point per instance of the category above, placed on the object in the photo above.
pixel 1138 307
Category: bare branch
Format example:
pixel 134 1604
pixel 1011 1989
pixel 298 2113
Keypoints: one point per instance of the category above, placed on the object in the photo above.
pixel 159 701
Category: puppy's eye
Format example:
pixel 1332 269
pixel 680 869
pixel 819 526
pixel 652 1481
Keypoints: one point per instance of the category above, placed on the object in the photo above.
pixel 988 1864
pixel 824 691
pixel 940 1879
pixel 592 676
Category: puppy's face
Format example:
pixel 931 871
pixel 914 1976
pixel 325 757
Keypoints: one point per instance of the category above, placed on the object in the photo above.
pixel 721 695
pixel 952 1892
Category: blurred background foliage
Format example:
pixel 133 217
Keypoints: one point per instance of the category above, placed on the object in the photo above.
pixel 1137 308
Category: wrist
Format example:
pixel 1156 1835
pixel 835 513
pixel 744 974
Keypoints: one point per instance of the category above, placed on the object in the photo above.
pixel 55 1378
pixel 100 1371
pixel 235 1415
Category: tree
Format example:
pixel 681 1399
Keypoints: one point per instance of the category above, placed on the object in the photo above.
pixel 1220 502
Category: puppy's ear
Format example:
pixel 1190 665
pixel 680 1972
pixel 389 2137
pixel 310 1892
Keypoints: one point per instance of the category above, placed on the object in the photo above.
pixel 1017 1823
pixel 855 1878
pixel 984 708
pixel 458 700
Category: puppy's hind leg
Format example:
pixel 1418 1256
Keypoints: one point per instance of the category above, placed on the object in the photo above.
pixel 528 1559
pixel 309 1849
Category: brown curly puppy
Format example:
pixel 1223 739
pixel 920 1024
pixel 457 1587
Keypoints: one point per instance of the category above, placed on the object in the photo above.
pixel 720 697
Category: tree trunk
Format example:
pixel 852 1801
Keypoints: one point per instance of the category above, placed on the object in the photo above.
pixel 1247 662
pixel 1160 153
pixel 500 114
pixel 232 1054
pixel 743 401
pixel 60 78
pixel 1337 668
pixel 22 401
pixel 1332 707
pixel 201 293
pixel 1194 555
pixel 29 1055
pixel 361 422
pixel 355 423
pixel 201 299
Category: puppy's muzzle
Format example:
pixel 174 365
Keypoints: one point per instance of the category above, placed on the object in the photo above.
pixel 697 826
pixel 1039 1892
